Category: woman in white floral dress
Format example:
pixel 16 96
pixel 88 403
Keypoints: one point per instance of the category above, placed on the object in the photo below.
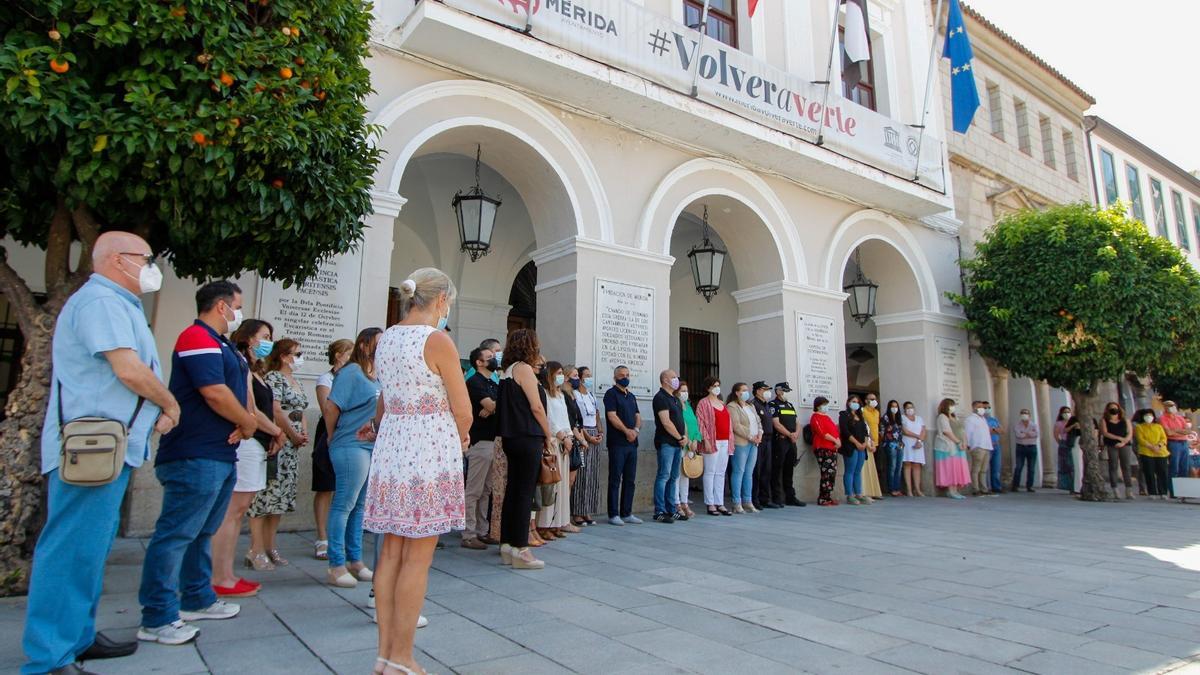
pixel 421 429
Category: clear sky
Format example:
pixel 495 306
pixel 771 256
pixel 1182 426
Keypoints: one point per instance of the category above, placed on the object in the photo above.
pixel 1137 59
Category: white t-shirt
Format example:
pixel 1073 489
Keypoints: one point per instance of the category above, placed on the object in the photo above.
pixel 912 426
pixel 556 414
pixel 587 409
pixel 325 380
pixel 752 415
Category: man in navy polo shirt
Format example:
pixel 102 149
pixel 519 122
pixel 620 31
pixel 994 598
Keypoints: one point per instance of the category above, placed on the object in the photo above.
pixel 624 420
pixel 195 465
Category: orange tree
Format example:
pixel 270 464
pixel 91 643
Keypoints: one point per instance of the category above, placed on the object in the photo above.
pixel 1077 295
pixel 230 134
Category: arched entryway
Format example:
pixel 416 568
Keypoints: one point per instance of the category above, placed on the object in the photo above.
pixel 548 189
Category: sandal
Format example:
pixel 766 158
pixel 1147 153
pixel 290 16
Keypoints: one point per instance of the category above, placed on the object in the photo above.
pixel 713 512
pixel 279 560
pixel 724 511
pixel 258 561
pixel 321 549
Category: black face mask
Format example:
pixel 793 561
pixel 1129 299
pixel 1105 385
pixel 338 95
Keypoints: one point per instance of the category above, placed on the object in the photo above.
pixel 494 364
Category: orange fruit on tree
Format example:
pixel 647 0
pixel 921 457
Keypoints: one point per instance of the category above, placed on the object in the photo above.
pixel 320 96
pixel 285 73
pixel 59 66
pixel 235 122
pixel 226 79
pixel 277 183
pixel 199 138
pixel 55 35
pixel 179 11
pixel 258 88
pixel 305 85
pixel 286 30
pixel 299 60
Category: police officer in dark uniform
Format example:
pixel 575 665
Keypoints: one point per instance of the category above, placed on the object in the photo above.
pixel 761 491
pixel 783 454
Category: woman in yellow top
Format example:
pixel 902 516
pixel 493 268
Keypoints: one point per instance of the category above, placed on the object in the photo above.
pixel 1153 454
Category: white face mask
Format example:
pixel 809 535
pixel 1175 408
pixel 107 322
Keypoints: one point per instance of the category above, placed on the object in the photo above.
pixel 1066 415
pixel 893 410
pixel 683 394
pixel 952 409
pixel 559 379
pixel 980 411
pixel 822 408
pixel 715 391
pixel 1024 417
pixel 236 321
pixel 768 395
pixel 873 403
pixel 782 396
pixel 149 278
pixel 909 411
pixel 298 362
pixel 1148 419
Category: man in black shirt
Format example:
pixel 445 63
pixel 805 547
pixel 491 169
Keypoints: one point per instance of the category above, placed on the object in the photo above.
pixel 783 455
pixel 669 434
pixel 483 391
pixel 762 469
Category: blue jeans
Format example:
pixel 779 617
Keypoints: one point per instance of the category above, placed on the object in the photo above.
pixel 995 469
pixel 1178 463
pixel 351 466
pixel 895 465
pixel 669 459
pixel 622 470
pixel 1026 456
pixel 177 571
pixel 741 481
pixel 852 478
pixel 68 571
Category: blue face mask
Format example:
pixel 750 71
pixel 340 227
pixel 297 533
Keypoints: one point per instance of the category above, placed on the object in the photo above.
pixel 443 321
pixel 574 382
pixel 589 383
pixel 263 350
pixel 623 382
pixel 854 406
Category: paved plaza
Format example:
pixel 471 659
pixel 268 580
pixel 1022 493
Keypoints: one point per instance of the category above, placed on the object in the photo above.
pixel 1021 583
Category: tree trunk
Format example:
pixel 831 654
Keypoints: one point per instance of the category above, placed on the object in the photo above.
pixel 1088 410
pixel 21 483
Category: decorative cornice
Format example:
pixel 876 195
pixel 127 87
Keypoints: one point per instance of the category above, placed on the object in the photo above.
pixel 953 320
pixel 943 222
pixel 571 245
pixel 773 288
pixel 387 203
pixel 761 317
pixel 555 282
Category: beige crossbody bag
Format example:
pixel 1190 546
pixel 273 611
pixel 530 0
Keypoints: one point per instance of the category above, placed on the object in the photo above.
pixel 93 448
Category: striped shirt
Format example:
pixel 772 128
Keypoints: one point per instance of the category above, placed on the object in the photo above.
pixel 202 358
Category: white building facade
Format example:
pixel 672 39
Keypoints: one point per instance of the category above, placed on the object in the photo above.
pixel 606 161
pixel 1155 190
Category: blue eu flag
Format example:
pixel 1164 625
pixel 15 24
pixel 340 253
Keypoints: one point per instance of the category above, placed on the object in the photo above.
pixel 964 96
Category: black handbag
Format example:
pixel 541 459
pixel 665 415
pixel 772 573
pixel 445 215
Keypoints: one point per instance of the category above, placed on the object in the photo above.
pixel 576 455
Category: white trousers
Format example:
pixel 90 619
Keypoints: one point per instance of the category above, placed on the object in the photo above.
pixel 714 476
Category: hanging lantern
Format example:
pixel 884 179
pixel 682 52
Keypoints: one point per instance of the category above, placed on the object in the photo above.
pixel 476 215
pixel 862 293
pixel 707 261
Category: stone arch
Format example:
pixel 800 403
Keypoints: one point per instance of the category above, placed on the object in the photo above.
pixel 698 178
pixel 433 117
pixel 871 225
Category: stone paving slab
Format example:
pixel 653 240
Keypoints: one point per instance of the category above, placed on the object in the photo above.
pixel 1024 583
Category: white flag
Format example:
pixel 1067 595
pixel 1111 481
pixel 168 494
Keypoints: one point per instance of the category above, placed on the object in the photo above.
pixel 855 42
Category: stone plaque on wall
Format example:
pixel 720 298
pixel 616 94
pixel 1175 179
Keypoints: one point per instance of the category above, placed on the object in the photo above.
pixel 948 358
pixel 324 309
pixel 816 340
pixel 624 335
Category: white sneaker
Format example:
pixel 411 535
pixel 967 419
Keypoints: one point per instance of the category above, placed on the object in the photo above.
pixel 633 520
pixel 616 520
pixel 171 634
pixel 218 610
pixel 371 600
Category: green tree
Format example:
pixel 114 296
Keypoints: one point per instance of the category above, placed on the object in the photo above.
pixel 1077 295
pixel 228 133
